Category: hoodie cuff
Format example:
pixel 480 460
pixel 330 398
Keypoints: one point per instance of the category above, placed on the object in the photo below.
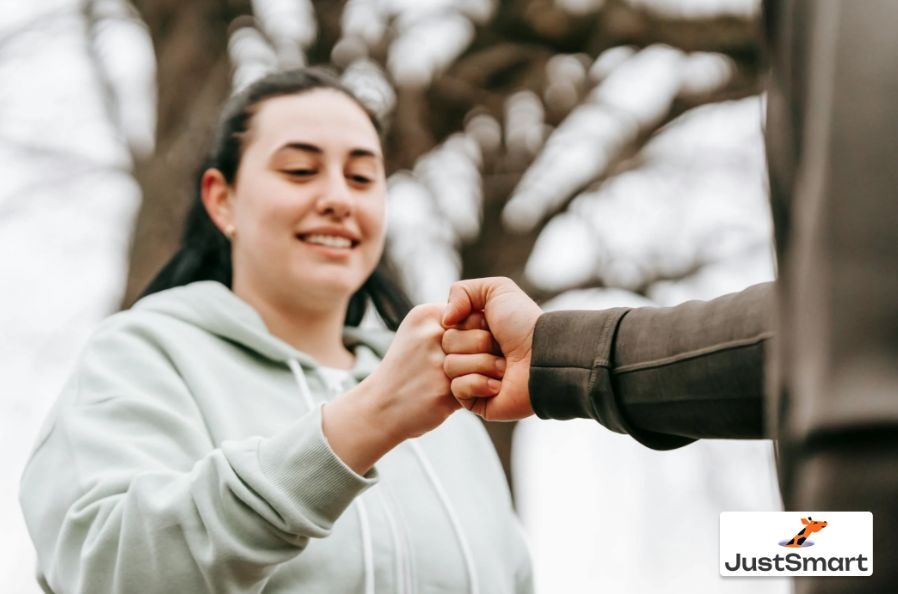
pixel 301 466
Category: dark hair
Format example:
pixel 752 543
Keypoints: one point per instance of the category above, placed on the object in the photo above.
pixel 205 252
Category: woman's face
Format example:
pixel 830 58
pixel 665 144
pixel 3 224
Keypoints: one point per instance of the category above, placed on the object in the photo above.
pixel 307 206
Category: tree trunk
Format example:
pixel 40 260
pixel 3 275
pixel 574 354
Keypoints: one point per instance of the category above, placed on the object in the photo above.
pixel 193 75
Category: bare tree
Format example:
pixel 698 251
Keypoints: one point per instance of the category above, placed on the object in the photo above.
pixel 508 89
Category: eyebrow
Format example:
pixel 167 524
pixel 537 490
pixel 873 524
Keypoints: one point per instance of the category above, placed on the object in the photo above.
pixel 311 148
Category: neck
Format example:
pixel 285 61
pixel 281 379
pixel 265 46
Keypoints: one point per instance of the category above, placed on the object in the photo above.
pixel 316 332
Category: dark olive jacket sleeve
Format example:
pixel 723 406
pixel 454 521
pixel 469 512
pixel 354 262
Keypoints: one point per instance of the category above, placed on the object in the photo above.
pixel 667 376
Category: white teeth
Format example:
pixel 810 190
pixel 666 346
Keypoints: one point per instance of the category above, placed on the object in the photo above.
pixel 328 240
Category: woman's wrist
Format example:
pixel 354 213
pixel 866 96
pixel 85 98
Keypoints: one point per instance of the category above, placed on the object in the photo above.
pixel 360 428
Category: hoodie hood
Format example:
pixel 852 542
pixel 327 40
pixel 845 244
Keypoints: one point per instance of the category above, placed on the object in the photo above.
pixel 216 309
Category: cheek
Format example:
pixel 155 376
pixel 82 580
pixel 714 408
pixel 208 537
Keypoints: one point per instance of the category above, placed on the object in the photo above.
pixel 372 218
pixel 267 211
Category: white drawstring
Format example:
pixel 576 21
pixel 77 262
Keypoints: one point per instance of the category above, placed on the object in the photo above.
pixel 453 517
pixel 300 378
pixel 361 510
pixel 367 547
pixel 403 577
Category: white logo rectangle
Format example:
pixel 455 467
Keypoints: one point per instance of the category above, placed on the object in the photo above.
pixel 817 543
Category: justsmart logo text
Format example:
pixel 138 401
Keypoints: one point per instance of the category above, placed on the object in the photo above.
pixel 821 543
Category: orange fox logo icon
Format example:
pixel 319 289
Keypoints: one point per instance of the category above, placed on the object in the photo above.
pixel 810 526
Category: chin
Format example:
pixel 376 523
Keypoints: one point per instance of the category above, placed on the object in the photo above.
pixel 333 287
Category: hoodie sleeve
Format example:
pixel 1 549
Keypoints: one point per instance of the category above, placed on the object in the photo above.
pixel 126 492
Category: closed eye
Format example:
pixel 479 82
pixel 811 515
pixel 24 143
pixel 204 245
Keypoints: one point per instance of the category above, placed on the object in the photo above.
pixel 360 179
pixel 300 173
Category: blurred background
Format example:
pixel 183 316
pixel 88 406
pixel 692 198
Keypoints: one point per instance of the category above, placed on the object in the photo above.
pixel 598 152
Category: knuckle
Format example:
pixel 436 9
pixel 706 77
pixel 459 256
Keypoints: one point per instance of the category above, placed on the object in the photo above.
pixel 449 365
pixel 458 388
pixel 429 310
pixel 484 341
pixel 435 331
pixel 436 358
pixel 422 312
pixel 454 386
pixel 484 385
pixel 448 340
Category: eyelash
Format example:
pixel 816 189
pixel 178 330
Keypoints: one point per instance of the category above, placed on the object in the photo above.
pixel 302 173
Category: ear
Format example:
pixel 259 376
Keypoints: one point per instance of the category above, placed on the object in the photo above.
pixel 805 521
pixel 216 195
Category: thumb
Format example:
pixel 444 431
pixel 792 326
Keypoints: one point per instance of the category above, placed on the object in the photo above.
pixel 465 298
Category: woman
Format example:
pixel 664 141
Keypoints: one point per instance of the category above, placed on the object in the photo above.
pixel 213 436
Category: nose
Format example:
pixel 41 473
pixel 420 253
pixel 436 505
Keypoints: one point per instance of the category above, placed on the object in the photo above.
pixel 336 197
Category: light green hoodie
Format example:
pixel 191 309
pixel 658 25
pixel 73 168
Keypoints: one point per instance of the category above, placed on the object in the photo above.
pixel 184 456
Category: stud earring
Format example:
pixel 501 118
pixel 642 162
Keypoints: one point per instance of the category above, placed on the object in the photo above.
pixel 230 231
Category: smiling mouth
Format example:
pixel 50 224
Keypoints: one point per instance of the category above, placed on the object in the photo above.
pixel 331 241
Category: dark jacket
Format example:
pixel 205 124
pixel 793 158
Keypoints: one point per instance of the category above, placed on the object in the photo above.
pixel 666 376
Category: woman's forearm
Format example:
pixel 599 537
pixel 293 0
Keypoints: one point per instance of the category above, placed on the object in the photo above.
pixel 360 427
